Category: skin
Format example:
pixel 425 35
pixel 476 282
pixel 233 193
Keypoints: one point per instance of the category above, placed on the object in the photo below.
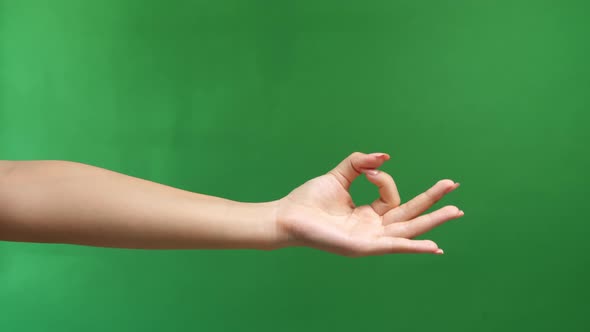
pixel 73 203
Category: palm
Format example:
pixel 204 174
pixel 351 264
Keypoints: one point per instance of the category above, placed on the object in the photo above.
pixel 324 208
pixel 321 213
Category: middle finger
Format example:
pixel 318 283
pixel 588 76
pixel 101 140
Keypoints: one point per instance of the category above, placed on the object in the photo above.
pixel 420 203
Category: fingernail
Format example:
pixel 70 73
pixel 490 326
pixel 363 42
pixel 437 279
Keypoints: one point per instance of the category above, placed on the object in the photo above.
pixel 439 251
pixel 371 171
pixel 380 155
pixel 461 213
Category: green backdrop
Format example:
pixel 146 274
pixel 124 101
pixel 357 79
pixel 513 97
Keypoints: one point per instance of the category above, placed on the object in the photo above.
pixel 249 99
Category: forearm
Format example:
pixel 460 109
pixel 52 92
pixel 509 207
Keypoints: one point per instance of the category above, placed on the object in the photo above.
pixel 66 202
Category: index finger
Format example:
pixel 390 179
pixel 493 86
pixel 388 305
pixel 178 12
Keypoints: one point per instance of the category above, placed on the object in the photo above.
pixel 388 194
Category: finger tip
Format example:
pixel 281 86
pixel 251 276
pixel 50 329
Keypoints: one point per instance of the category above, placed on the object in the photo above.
pixel 370 172
pixel 446 183
pixel 439 251
pixel 451 185
pixel 381 155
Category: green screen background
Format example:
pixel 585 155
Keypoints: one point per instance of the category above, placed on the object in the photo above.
pixel 249 99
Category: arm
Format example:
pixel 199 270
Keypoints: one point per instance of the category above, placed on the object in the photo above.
pixel 68 202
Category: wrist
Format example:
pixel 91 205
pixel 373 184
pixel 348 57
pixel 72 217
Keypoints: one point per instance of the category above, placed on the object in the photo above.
pixel 276 236
pixel 257 225
pixel 283 234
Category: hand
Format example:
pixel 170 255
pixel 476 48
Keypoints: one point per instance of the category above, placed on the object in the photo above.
pixel 321 214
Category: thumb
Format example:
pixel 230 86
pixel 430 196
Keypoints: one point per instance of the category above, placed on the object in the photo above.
pixel 351 167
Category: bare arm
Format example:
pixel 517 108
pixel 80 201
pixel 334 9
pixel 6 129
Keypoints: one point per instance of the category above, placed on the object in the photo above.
pixel 68 202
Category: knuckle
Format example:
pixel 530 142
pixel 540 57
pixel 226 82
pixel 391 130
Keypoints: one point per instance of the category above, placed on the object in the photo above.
pixel 355 155
pixel 430 195
pixel 386 178
pixel 428 219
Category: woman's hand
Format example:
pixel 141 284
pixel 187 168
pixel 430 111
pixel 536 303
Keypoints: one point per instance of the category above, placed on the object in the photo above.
pixel 322 215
